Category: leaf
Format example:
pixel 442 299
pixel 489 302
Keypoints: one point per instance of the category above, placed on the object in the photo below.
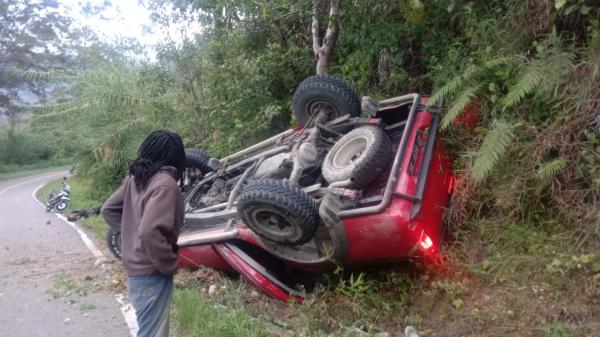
pixel 585 9
pixel 457 303
pixel 558 4
pixel 548 170
pixel 455 84
pixel 570 9
pixel 460 103
pixel 525 86
pixel 494 146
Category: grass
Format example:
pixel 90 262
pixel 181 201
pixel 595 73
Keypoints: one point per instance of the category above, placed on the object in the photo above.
pixel 86 306
pixel 64 285
pixel 25 171
pixel 14 171
pixel 500 278
pixel 198 316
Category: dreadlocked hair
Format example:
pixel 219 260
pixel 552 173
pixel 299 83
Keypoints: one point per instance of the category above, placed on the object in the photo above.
pixel 160 148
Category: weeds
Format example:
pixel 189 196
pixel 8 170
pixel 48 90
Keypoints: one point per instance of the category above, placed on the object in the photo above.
pixel 64 286
pixel 87 306
pixel 197 316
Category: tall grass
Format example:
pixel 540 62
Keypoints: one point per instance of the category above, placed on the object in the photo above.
pixel 195 316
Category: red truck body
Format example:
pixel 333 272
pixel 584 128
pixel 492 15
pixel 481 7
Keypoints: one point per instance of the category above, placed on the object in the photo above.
pixel 410 226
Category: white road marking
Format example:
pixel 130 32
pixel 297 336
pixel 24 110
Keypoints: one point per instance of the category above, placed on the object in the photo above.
pixel 126 307
pixel 128 313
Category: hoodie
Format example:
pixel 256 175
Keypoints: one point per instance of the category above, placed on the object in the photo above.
pixel 149 222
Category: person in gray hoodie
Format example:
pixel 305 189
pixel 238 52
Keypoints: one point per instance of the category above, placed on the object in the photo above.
pixel 147 210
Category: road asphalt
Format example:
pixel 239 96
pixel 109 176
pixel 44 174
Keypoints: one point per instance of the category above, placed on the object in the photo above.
pixel 50 282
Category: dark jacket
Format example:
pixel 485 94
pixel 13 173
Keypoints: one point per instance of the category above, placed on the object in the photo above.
pixel 149 222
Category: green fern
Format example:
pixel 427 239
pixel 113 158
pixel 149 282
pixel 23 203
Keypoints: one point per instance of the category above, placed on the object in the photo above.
pixel 548 170
pixel 455 84
pixel 494 146
pixel 460 104
pixel 472 71
pixel 526 85
pixel 501 61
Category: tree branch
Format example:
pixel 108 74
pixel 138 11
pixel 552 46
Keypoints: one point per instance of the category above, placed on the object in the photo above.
pixel 315 29
pixel 333 29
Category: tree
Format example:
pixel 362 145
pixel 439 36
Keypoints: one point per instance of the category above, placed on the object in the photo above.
pixel 33 37
pixel 323 49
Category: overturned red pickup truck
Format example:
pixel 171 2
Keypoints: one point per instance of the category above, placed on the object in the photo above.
pixel 359 182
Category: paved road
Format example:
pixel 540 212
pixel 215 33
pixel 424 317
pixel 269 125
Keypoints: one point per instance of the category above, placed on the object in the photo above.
pixel 41 255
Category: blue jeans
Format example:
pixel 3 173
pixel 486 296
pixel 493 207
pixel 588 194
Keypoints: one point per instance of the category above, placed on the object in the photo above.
pixel 151 297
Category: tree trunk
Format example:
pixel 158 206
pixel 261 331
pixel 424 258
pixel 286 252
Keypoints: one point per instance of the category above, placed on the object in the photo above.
pixel 324 50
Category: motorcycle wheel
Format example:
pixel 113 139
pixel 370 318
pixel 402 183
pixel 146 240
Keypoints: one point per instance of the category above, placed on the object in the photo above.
pixel 113 241
pixel 61 206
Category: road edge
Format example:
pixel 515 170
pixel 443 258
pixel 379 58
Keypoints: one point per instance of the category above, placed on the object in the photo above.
pixel 124 304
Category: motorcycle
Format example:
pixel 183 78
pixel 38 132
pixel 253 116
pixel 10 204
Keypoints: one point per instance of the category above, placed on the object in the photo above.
pixel 58 201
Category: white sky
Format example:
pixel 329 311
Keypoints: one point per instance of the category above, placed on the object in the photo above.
pixel 126 18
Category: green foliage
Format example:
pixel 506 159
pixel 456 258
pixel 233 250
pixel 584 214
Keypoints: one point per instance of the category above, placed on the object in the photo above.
pixel 459 105
pixel 452 86
pixel 494 147
pixel 526 85
pixel 19 147
pixel 355 286
pixel 197 316
pixel 549 170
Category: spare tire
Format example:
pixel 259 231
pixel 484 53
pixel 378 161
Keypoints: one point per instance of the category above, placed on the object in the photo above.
pixel 323 93
pixel 278 211
pixel 358 157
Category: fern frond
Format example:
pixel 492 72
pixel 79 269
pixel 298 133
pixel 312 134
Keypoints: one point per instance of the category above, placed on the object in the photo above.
pixel 506 60
pixel 494 146
pixel 42 111
pixel 51 75
pixel 455 84
pixel 548 170
pixel 526 85
pixel 465 97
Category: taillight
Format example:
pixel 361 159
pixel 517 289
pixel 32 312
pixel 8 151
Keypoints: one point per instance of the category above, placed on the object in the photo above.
pixel 426 242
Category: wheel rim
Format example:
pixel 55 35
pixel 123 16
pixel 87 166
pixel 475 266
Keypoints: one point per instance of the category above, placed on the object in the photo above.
pixel 273 223
pixel 318 106
pixel 61 206
pixel 350 152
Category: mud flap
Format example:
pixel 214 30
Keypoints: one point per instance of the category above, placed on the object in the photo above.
pixel 245 260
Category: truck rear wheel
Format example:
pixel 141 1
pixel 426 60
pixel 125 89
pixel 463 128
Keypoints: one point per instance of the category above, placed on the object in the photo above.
pixel 279 211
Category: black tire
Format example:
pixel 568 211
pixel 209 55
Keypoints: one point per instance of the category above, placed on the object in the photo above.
pixel 61 206
pixel 358 157
pixel 113 241
pixel 197 158
pixel 196 167
pixel 278 211
pixel 334 95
